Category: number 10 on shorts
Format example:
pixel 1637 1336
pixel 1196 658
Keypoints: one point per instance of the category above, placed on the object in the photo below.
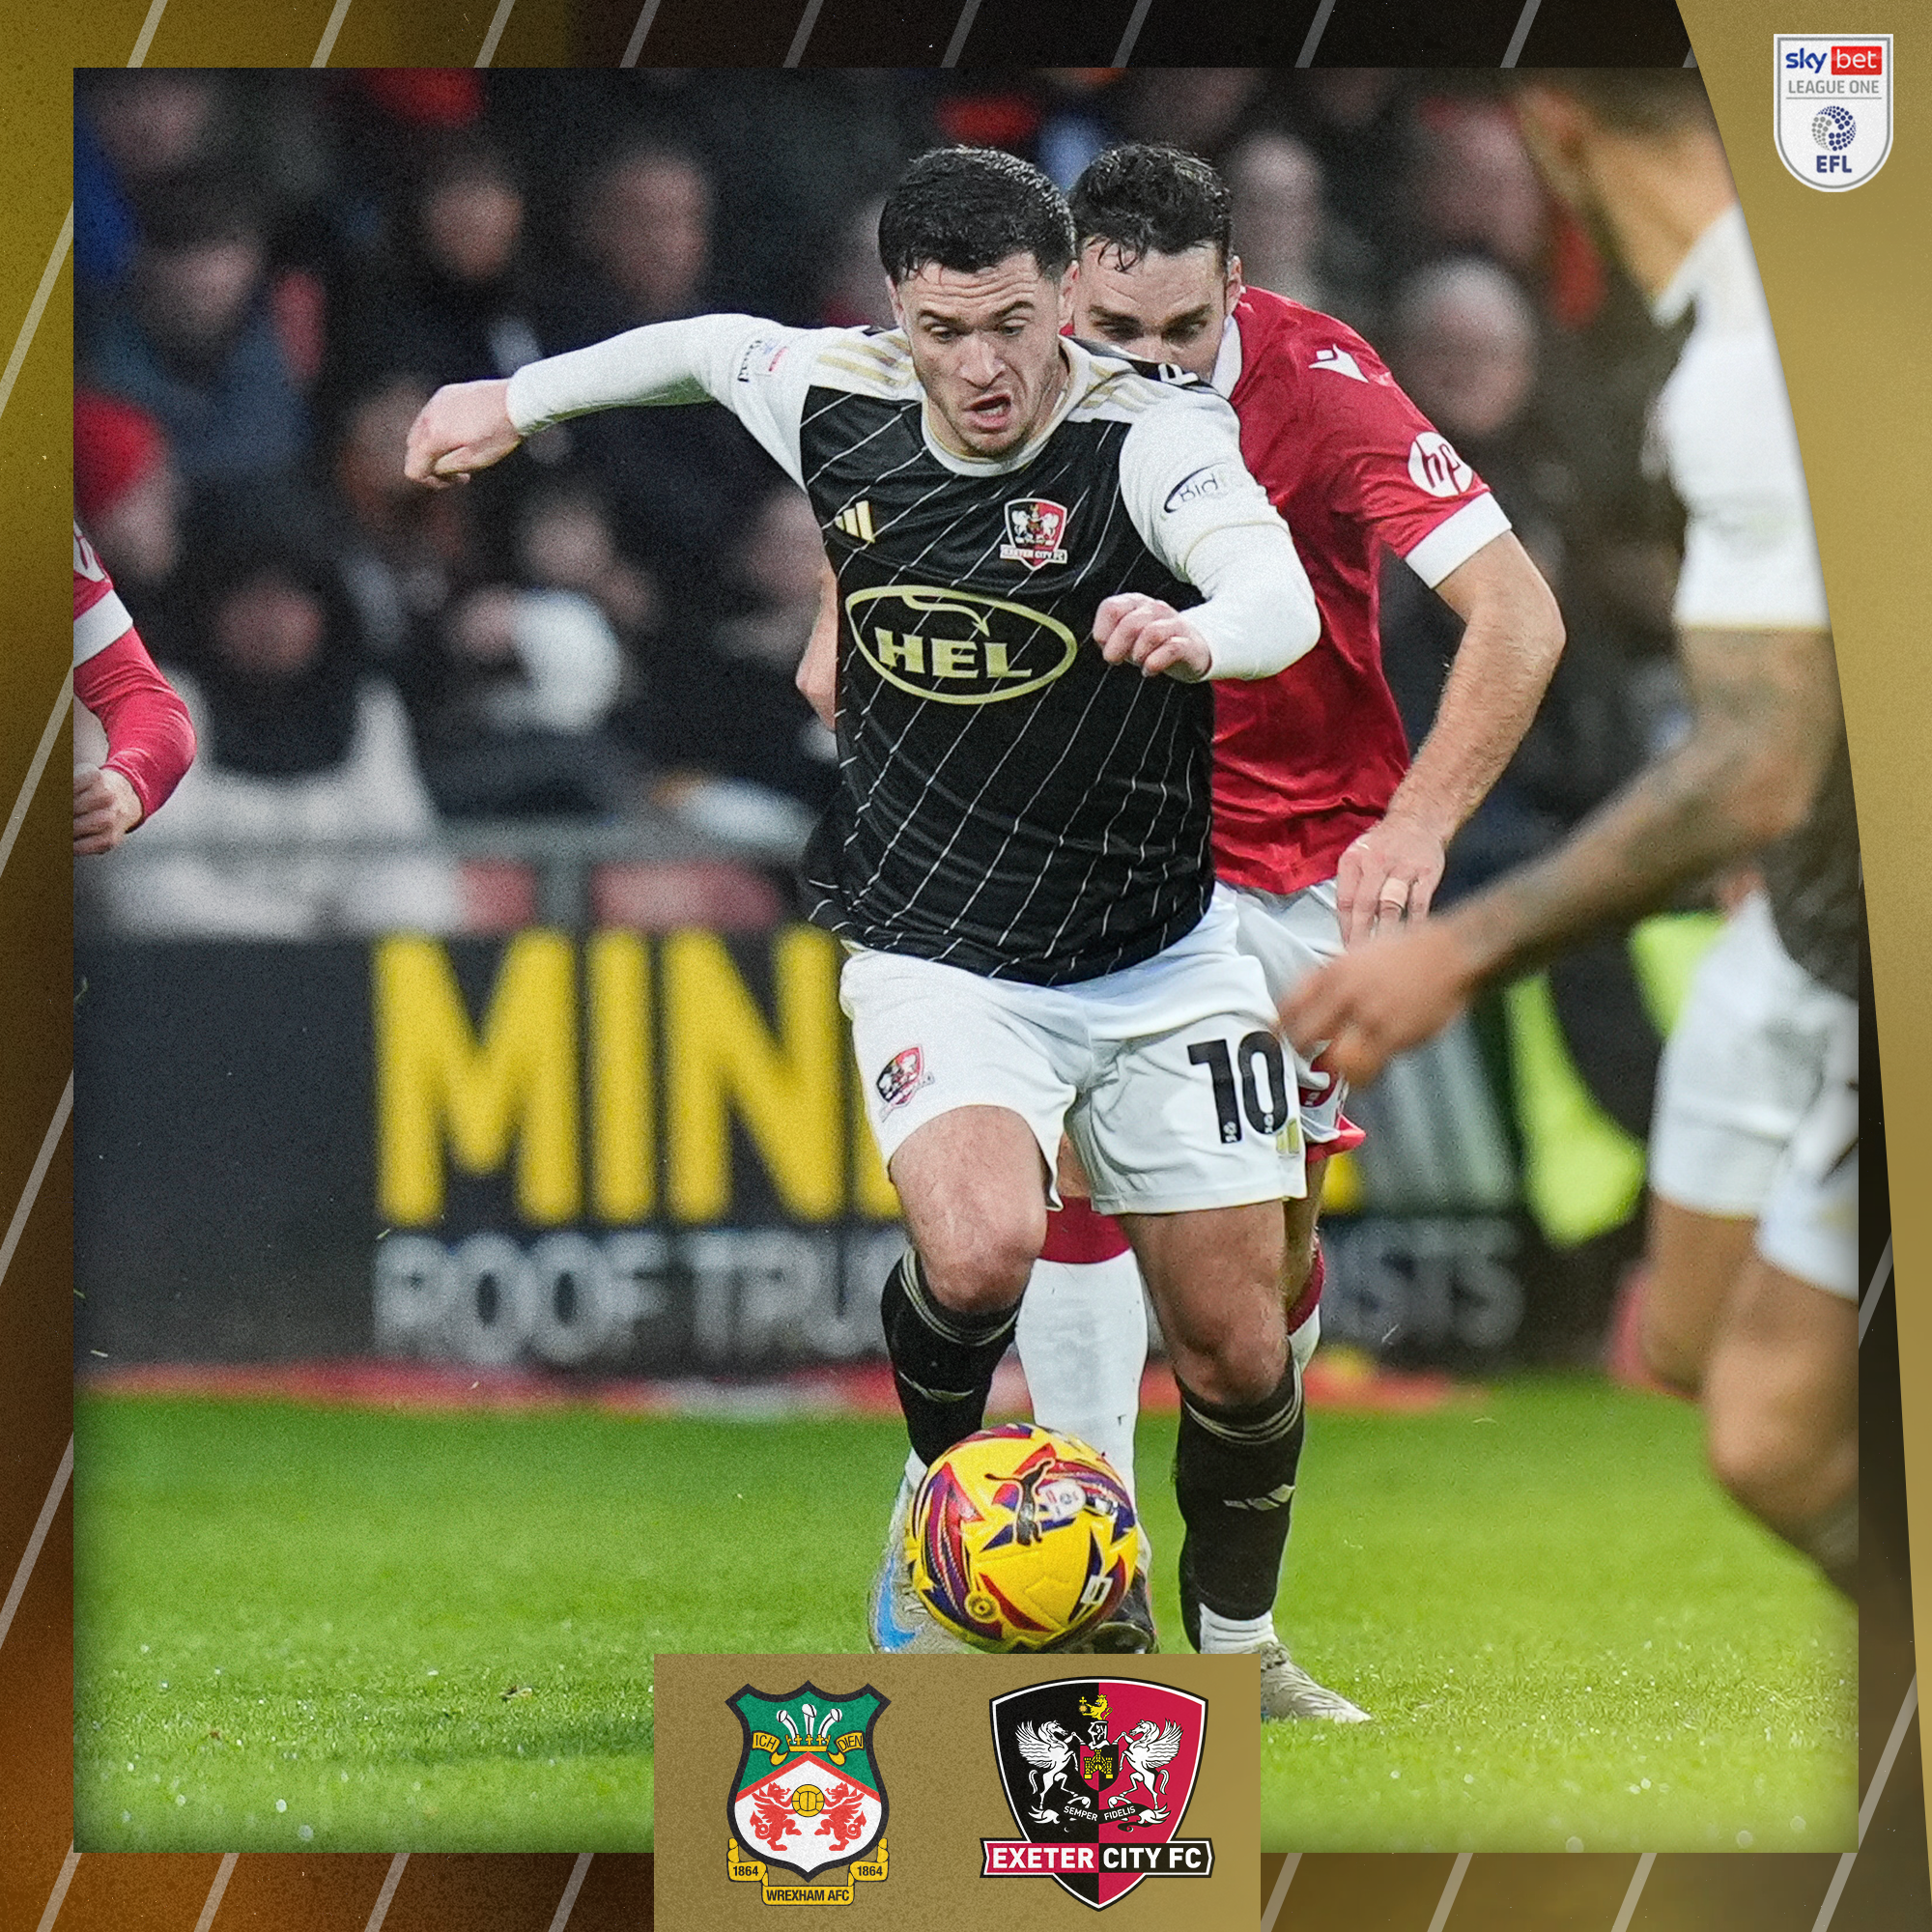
pixel 1238 1086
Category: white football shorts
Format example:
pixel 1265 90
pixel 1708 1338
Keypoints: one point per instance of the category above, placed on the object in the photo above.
pixel 1757 1105
pixel 1291 934
pixel 1167 1075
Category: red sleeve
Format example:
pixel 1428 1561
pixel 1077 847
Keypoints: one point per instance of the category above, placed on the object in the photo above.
pixel 150 739
pixel 1402 477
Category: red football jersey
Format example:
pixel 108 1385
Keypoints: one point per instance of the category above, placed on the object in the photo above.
pixel 1307 760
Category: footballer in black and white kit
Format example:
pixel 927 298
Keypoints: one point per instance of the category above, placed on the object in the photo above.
pixel 1042 554
pixel 1751 1302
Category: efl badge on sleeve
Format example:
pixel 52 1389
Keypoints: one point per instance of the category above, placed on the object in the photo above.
pixel 1033 531
pixel 1097 1774
pixel 808 1796
pixel 1832 107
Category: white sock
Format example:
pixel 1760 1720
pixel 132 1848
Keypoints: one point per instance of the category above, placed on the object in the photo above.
pixel 914 1469
pixel 1083 1343
pixel 1235 1634
pixel 1305 1339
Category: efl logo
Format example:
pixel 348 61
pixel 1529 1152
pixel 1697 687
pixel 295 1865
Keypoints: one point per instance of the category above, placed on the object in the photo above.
pixel 1832 107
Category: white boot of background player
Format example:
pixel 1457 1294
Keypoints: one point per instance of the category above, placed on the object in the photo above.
pixel 1081 1339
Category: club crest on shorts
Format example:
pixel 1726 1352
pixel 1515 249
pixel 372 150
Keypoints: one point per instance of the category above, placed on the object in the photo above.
pixel 902 1076
pixel 1033 531
pixel 1097 1774
pixel 807 1795
pixel 1832 107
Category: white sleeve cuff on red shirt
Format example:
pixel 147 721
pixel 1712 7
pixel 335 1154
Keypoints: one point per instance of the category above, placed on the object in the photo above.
pixel 100 624
pixel 1457 538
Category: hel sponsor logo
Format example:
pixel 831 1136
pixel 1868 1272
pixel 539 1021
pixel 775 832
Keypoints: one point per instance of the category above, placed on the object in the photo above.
pixel 939 644
pixel 1033 531
pixel 1433 465
pixel 1832 108
pixel 1097 1774
pixel 806 1794
pixel 1210 480
pixel 902 1076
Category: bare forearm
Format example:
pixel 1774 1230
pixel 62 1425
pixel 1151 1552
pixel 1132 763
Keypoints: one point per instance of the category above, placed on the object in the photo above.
pixel 1511 639
pixel 1495 686
pixel 1678 820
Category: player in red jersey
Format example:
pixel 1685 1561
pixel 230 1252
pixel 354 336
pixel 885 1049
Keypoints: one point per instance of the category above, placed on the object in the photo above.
pixel 1322 824
pixel 150 740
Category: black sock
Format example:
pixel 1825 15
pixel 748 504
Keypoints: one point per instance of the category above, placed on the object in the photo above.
pixel 1233 1477
pixel 943 1361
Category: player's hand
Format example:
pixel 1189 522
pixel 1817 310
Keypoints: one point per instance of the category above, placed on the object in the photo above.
pixel 106 808
pixel 1387 877
pixel 1376 1002
pixel 464 427
pixel 1133 628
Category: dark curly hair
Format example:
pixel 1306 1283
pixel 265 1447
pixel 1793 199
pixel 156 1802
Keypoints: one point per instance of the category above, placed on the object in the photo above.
pixel 966 209
pixel 1146 199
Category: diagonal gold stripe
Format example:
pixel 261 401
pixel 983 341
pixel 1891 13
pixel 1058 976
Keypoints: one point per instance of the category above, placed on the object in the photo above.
pixel 327 45
pixel 224 1872
pixel 58 1896
pixel 146 37
pixel 37 308
pixel 572 1886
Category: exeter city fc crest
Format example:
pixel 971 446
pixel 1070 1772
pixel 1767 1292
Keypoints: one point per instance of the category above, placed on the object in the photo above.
pixel 807 1795
pixel 1097 1774
pixel 1033 531
pixel 1832 107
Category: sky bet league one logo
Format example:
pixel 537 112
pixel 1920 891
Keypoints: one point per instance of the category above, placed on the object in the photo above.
pixel 1833 107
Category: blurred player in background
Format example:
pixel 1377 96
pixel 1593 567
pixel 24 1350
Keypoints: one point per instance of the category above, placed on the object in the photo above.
pixel 1755 1154
pixel 1018 856
pixel 1321 825
pixel 150 740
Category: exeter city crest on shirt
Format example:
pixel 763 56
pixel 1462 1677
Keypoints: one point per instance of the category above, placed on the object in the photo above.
pixel 1097 1774
pixel 1033 531
pixel 807 1795
pixel 1832 107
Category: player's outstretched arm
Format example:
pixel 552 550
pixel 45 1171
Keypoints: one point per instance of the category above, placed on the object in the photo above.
pixel 1765 724
pixel 463 427
pixel 1512 637
pixel 149 744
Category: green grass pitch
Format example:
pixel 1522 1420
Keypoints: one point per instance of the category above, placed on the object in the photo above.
pixel 297 1627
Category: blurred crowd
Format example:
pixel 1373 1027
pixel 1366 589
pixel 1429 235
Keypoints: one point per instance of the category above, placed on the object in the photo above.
pixel 275 270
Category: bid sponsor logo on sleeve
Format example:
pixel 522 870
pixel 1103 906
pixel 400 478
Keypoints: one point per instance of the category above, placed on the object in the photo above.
pixel 1832 107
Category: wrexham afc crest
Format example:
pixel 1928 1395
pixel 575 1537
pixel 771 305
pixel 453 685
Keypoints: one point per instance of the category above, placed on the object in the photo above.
pixel 807 1795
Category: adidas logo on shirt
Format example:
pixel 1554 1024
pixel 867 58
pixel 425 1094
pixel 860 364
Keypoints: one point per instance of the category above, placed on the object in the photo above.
pixel 856 521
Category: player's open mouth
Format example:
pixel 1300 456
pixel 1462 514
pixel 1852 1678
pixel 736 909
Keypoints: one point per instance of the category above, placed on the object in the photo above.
pixel 990 412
